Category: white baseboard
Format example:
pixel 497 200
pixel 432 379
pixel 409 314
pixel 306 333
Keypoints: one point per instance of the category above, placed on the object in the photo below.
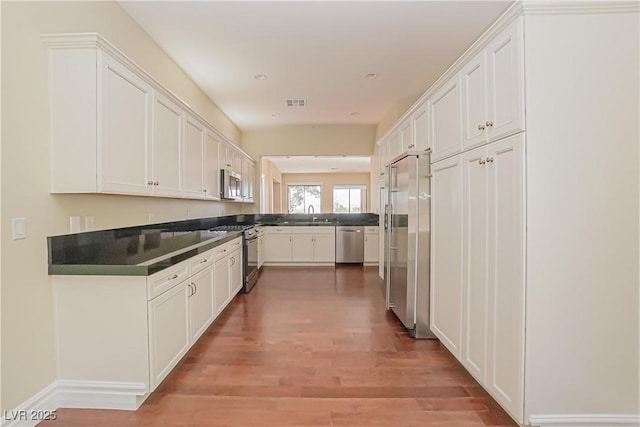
pixel 75 394
pixel 27 413
pixel 99 394
pixel 585 420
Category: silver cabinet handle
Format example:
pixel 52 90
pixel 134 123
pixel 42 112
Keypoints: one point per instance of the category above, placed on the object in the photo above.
pixel 191 291
pixel 481 161
pixel 480 127
pixel 489 159
pixel 489 123
pixel 175 276
pixel 204 191
pixel 203 261
pixel 149 182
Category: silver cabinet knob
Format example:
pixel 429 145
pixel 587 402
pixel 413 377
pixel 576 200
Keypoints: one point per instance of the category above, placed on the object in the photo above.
pixel 489 159
pixel 489 123
pixel 480 127
pixel 149 182
pixel 482 161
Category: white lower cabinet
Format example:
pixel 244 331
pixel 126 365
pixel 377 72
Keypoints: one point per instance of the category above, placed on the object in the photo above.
pixel 371 245
pixel 221 287
pixel 235 268
pixel 277 244
pixel 489 313
pixel 133 330
pixel 169 337
pixel 300 245
pixel 446 247
pixel 201 309
pixel 260 248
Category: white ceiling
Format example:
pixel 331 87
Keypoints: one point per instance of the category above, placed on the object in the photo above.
pixel 321 164
pixel 315 50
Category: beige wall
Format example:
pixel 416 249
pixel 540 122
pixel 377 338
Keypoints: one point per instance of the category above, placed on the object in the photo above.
pixel 271 174
pixel 328 140
pixel 394 114
pixel 327 180
pixel 28 352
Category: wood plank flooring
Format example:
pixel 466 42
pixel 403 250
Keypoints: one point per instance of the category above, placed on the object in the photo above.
pixel 309 347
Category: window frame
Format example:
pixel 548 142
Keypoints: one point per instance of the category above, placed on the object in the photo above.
pixel 363 196
pixel 303 184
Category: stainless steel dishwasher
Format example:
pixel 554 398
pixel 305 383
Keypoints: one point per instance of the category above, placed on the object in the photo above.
pixel 350 244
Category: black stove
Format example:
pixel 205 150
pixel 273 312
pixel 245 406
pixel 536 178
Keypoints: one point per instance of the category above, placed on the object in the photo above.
pixel 249 251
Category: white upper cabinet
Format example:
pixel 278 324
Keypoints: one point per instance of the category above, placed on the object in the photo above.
pixel 493 90
pixel 194 140
pixel 474 102
pixel 394 145
pixel 420 121
pixel 246 178
pixel 444 116
pixel 114 129
pixel 211 167
pixel 124 110
pixel 166 148
pixel 505 70
pixel 406 136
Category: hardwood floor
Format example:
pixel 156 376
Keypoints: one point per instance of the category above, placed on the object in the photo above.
pixel 309 347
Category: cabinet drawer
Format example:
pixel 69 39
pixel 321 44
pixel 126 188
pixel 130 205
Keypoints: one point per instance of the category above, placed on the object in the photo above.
pixel 315 230
pixel 235 244
pixel 221 251
pixel 201 261
pixel 166 279
pixel 371 230
pixel 278 230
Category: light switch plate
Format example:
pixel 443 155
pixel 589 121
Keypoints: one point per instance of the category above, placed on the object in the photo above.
pixel 88 223
pixel 19 228
pixel 74 224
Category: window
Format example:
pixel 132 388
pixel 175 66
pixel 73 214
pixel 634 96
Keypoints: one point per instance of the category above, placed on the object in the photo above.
pixel 302 196
pixel 349 199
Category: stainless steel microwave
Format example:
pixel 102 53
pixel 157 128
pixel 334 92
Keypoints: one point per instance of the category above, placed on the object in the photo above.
pixel 230 185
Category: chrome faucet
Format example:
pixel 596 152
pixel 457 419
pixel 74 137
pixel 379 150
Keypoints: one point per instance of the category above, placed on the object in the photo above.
pixel 311 209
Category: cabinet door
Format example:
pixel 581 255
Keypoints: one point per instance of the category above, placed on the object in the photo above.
pixel 124 107
pixel 420 128
pixel 221 284
pixel 194 139
pixel 201 308
pixel 277 247
pixel 371 248
pixel 444 113
pixel 225 156
pixel 505 372
pixel 505 59
pixel 260 251
pixel 474 102
pixel 245 178
pixel 394 145
pixel 324 248
pixel 474 272
pixel 235 265
pixel 446 246
pixel 252 179
pixel 168 331
pixel 406 136
pixel 167 145
pixel 237 162
pixel 211 168
pixel 302 248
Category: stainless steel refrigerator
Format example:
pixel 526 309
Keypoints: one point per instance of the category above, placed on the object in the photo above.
pixel 407 241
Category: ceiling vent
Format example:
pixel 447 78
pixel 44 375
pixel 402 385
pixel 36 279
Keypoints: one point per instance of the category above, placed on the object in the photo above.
pixel 296 102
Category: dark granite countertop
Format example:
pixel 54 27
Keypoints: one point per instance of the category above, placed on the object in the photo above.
pixel 144 250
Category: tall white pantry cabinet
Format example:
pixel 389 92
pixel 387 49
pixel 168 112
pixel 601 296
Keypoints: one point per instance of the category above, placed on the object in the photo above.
pixel 534 133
